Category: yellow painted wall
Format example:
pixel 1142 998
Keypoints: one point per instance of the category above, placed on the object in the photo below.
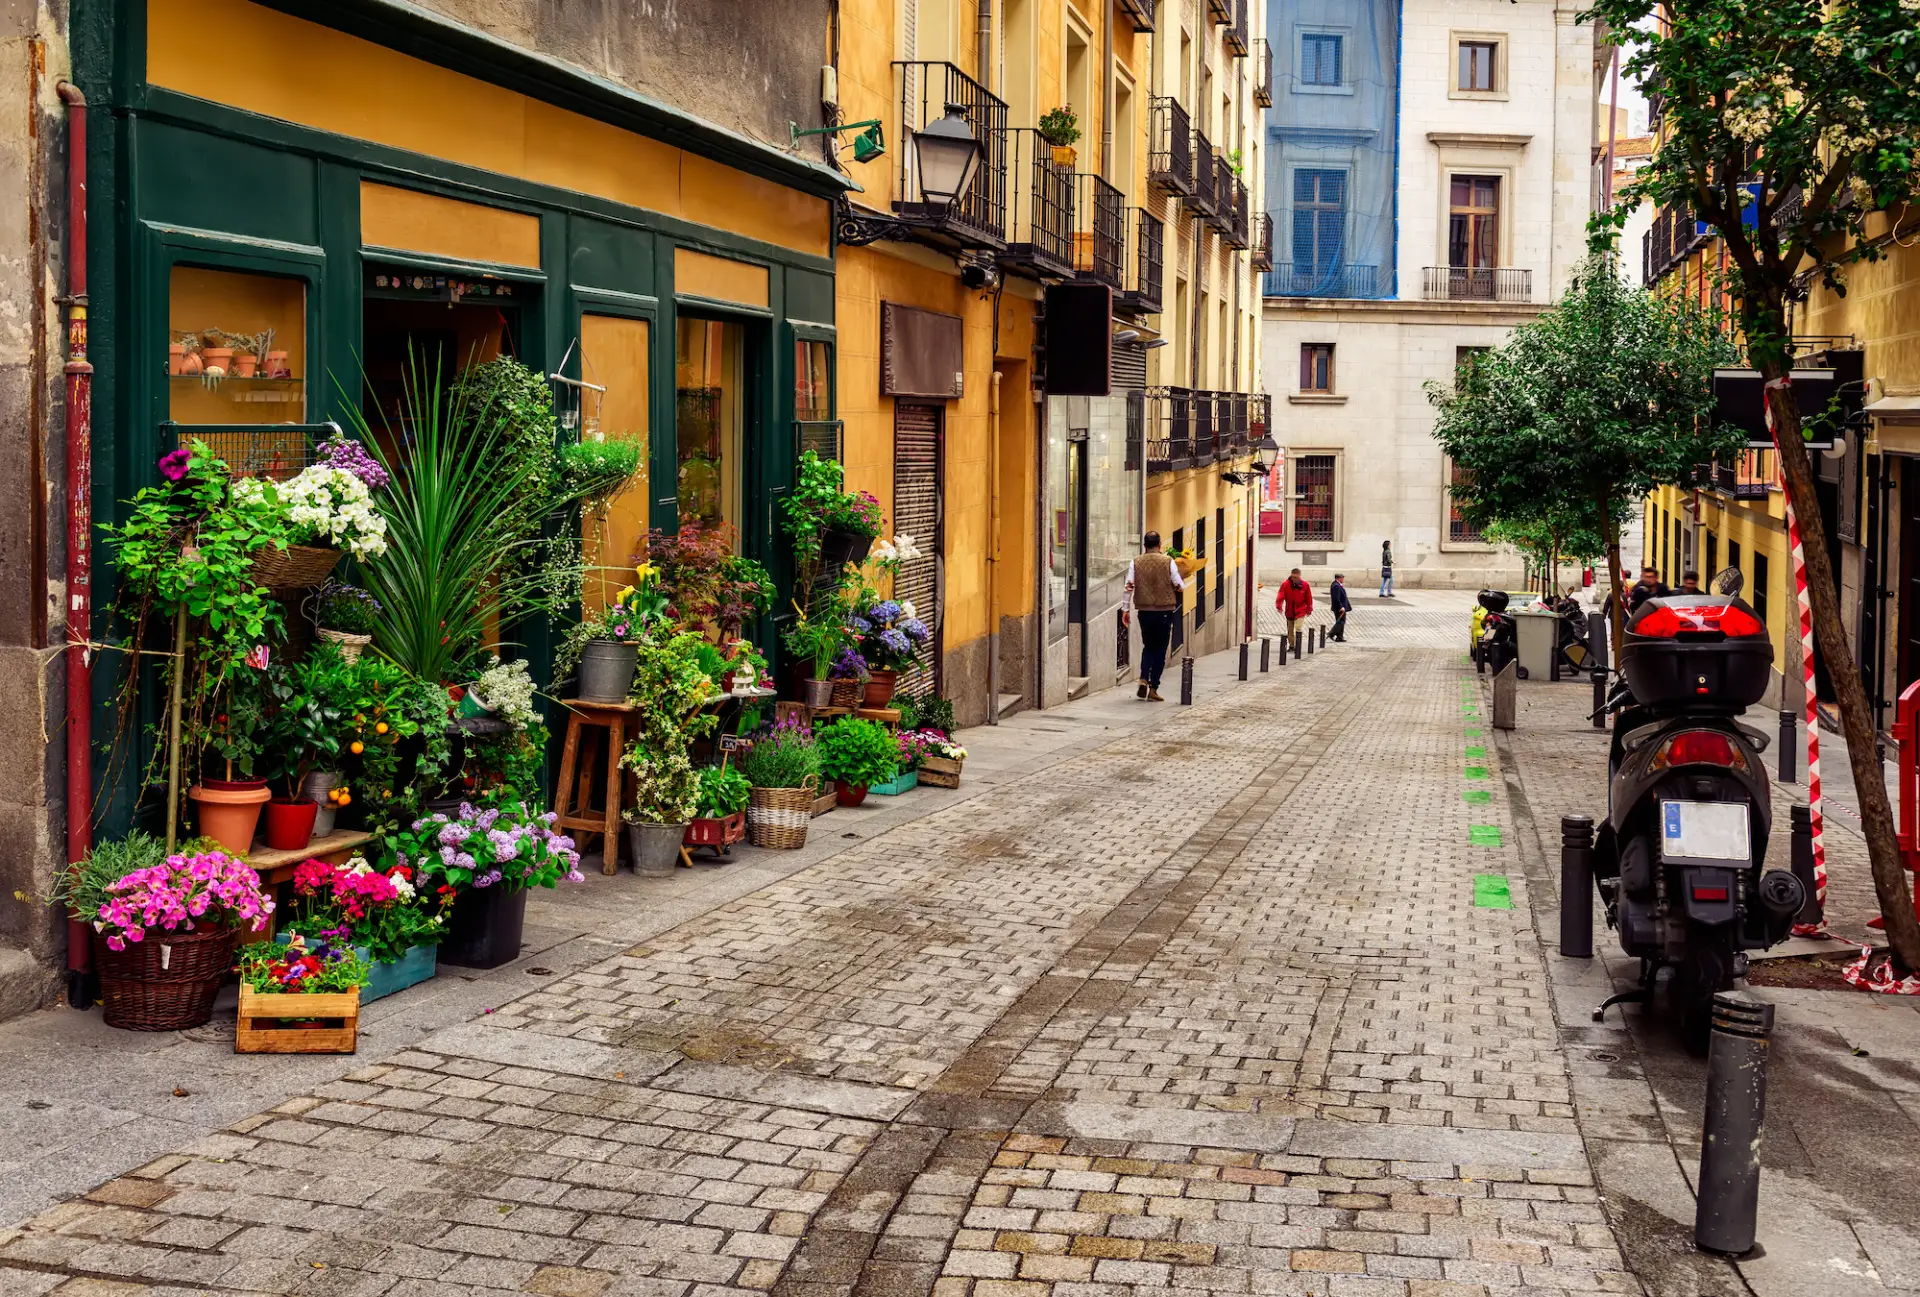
pixel 613 354
pixel 1175 501
pixel 283 67
pixel 1881 310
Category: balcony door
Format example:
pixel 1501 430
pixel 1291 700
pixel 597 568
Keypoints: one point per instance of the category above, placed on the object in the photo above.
pixel 1473 223
pixel 1319 226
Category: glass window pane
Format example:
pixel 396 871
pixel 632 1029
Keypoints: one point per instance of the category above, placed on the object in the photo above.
pixel 709 417
pixel 613 354
pixel 812 380
pixel 237 353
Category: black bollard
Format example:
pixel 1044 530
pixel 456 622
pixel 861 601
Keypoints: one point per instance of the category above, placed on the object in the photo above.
pixel 1266 654
pixel 1723 1222
pixel 1309 639
pixel 1599 700
pixel 1243 659
pixel 1186 682
pixel 1298 652
pixel 1576 886
pixel 1553 666
pixel 1283 650
pixel 1800 856
pixel 1785 754
pixel 1479 658
pixel 1323 637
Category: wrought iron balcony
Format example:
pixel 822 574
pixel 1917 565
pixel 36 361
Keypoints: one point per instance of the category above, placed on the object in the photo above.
pixel 977 218
pixel 1170 152
pixel 1234 226
pixel 1168 419
pixel 1259 417
pixel 1238 416
pixel 1099 231
pixel 1476 284
pixel 1200 197
pixel 1208 427
pixel 1039 206
pixel 1262 239
pixel 1295 279
pixel 1263 73
pixel 1146 265
pixel 1235 34
pixel 1140 13
pixel 1222 194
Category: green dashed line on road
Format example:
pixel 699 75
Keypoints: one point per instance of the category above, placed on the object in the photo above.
pixel 1491 892
pixel 1476 754
pixel 1478 796
pixel 1476 772
pixel 1473 732
pixel 1484 835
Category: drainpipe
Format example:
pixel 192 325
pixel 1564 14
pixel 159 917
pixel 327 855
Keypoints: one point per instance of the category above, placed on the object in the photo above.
pixel 993 536
pixel 1106 99
pixel 983 45
pixel 79 700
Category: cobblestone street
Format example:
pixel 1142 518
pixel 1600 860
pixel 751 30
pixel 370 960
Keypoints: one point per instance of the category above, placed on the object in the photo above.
pixel 1246 999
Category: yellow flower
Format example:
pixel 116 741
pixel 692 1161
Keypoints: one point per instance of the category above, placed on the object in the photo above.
pixel 625 593
pixel 643 573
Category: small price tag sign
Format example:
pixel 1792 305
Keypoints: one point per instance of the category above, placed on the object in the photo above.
pixel 734 743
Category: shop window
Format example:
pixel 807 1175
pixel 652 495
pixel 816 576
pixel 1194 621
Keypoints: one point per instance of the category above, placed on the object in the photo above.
pixel 709 418
pixel 613 357
pixel 1316 367
pixel 237 354
pixel 1313 484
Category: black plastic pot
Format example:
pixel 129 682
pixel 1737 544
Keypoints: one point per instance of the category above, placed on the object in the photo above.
pixel 840 548
pixel 484 929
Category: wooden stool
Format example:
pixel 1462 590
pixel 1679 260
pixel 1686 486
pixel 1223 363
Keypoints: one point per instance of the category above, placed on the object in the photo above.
pixel 591 725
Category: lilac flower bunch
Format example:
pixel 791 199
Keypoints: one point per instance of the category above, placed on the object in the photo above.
pixel 510 846
pixel 345 452
pixel 848 664
pixel 209 887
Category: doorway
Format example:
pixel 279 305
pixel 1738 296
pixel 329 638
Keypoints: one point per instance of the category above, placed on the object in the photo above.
pixel 1909 584
pixel 710 420
pixel 919 511
pixel 431 327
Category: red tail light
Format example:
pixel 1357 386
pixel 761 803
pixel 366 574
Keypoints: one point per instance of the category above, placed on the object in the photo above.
pixel 1709 893
pixel 1699 748
pixel 1702 619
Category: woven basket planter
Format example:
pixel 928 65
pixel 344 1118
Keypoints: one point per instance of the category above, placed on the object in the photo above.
pixel 778 817
pixel 940 772
pixel 847 693
pixel 297 567
pixel 166 982
pixel 350 645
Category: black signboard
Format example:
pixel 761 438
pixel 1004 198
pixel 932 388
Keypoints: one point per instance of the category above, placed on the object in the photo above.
pixel 1740 399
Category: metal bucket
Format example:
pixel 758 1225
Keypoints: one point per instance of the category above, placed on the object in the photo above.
pixel 606 670
pixel 656 847
pixel 318 784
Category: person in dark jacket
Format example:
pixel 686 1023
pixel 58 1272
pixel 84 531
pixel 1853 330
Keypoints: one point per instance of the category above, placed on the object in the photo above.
pixel 1386 569
pixel 1342 605
pixel 1649 586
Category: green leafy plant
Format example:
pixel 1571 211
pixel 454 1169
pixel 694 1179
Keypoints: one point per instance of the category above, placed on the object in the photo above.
pixel 723 792
pixel 930 713
pixel 310 704
pixel 816 640
pixel 784 757
pixel 858 752
pixel 596 471
pixel 302 965
pixel 670 688
pixel 82 888
pixel 1059 126
pixel 511 406
pixel 820 502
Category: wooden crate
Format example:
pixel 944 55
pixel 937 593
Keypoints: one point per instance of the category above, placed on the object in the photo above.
pixel 940 772
pixel 261 1031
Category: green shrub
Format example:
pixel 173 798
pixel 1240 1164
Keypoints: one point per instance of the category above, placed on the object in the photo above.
pixel 83 888
pixel 784 757
pixel 859 752
pixel 722 793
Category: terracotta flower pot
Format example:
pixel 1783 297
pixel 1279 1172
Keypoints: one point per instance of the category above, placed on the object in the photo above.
pixel 290 824
pixel 220 358
pixel 191 364
pixel 849 794
pixel 880 686
pixel 176 357
pixel 228 811
pixel 277 365
pixel 245 364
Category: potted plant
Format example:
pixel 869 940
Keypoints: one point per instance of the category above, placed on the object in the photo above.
pixel 671 687
pixel 816 641
pixel 164 930
pixel 227 807
pixel 345 615
pixel 301 996
pixel 720 809
pixel 216 356
pixel 307 726
pixel 891 636
pixel 1060 127
pixel 482 860
pixel 910 745
pixel 309 521
pixel 783 768
pixel 857 754
pixel 830 527
pixel 380 914
pixel 848 672
pixel 940 760
pixel 605 646
pixel 666 792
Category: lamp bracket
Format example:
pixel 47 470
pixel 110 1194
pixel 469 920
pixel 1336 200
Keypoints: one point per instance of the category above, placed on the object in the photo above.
pixel 856 229
pixel 796 134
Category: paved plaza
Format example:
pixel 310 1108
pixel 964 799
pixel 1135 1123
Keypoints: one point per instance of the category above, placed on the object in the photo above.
pixel 1239 998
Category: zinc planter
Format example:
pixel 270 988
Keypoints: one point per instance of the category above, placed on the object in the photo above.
pixel 606 670
pixel 318 784
pixel 485 928
pixel 228 812
pixel 818 693
pixel 656 847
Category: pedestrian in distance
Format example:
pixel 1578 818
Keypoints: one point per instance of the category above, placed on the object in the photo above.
pixel 1154 584
pixel 1342 605
pixel 1690 583
pixel 1386 569
pixel 1649 586
pixel 1295 602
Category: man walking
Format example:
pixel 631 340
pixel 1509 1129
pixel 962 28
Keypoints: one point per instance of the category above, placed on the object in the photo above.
pixel 1690 583
pixel 1386 569
pixel 1337 600
pixel 1649 586
pixel 1295 602
pixel 1153 590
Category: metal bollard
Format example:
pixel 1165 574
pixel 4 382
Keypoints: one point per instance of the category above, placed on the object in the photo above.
pixel 1723 1222
pixel 1266 654
pixel 1576 886
pixel 1186 682
pixel 1800 856
pixel 1479 658
pixel 1283 650
pixel 1309 639
pixel 1323 637
pixel 1784 755
pixel 1243 659
pixel 1599 700
pixel 1298 652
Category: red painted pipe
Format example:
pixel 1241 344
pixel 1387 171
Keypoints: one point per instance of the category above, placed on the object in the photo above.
pixel 79 519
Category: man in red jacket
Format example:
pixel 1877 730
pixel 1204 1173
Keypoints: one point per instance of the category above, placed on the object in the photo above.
pixel 1295 602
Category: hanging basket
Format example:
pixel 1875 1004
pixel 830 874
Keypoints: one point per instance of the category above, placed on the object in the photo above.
pixel 778 817
pixel 350 645
pixel 297 567
pixel 166 982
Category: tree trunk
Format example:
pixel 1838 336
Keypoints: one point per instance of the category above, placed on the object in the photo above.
pixel 1617 616
pixel 1856 714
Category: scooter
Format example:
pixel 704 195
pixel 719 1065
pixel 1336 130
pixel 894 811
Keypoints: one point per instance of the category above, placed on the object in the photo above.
pixel 1678 862
pixel 1499 636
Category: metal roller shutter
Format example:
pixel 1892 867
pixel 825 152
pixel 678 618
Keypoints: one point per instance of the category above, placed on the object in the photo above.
pixel 918 511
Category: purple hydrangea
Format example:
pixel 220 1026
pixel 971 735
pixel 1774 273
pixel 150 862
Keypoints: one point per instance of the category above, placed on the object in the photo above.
pixel 896 642
pixel 344 452
pixel 886 611
pixel 915 630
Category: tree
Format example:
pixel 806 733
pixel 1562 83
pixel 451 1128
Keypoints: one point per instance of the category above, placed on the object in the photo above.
pixel 1546 541
pixel 1793 129
pixel 1584 410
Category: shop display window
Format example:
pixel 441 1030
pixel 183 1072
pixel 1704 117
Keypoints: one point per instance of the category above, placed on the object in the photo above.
pixel 709 415
pixel 237 352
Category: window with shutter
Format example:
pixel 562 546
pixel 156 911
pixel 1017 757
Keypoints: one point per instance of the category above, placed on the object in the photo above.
pixel 1200 576
pixel 917 512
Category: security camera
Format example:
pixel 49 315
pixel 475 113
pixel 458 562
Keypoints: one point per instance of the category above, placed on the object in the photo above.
pixel 977 276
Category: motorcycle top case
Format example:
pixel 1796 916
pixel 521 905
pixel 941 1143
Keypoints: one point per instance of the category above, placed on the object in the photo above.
pixel 1705 649
pixel 1493 600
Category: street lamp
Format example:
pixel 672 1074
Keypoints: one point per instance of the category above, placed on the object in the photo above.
pixel 947 153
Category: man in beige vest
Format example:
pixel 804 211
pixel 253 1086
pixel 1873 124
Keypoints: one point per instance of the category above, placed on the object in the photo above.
pixel 1153 590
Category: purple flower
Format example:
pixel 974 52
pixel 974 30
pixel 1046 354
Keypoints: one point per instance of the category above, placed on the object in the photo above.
pixel 885 611
pixel 915 630
pixel 343 452
pixel 174 465
pixel 896 642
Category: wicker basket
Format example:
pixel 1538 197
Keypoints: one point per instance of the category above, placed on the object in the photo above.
pixel 778 817
pixel 940 772
pixel 847 693
pixel 166 982
pixel 350 645
pixel 297 567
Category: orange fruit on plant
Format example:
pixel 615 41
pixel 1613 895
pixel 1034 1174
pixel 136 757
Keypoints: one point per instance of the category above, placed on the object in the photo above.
pixel 356 747
pixel 381 728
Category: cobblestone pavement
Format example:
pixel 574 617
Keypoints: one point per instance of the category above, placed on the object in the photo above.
pixel 1248 1001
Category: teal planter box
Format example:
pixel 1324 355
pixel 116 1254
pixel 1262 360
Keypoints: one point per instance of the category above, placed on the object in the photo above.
pixel 417 965
pixel 901 782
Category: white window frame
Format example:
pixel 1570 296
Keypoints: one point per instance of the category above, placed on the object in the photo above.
pixel 1501 46
pixel 1300 32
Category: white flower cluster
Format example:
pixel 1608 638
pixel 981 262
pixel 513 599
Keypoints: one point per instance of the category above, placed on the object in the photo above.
pixel 507 689
pixel 1754 106
pixel 888 555
pixel 324 505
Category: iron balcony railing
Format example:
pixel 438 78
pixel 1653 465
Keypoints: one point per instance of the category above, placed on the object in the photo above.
pixel 1263 73
pixel 1294 279
pixel 1170 153
pixel 1237 230
pixel 1241 416
pixel 1099 231
pixel 1476 284
pixel 1259 417
pixel 1168 420
pixel 1140 13
pixel 1750 477
pixel 1039 205
pixel 1222 194
pixel 1200 197
pixel 1146 265
pixel 978 216
pixel 1263 242
pixel 1235 34
pixel 1206 427
pixel 1673 237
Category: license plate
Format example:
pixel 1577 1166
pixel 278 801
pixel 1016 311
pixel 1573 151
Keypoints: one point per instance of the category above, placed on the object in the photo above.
pixel 1704 831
